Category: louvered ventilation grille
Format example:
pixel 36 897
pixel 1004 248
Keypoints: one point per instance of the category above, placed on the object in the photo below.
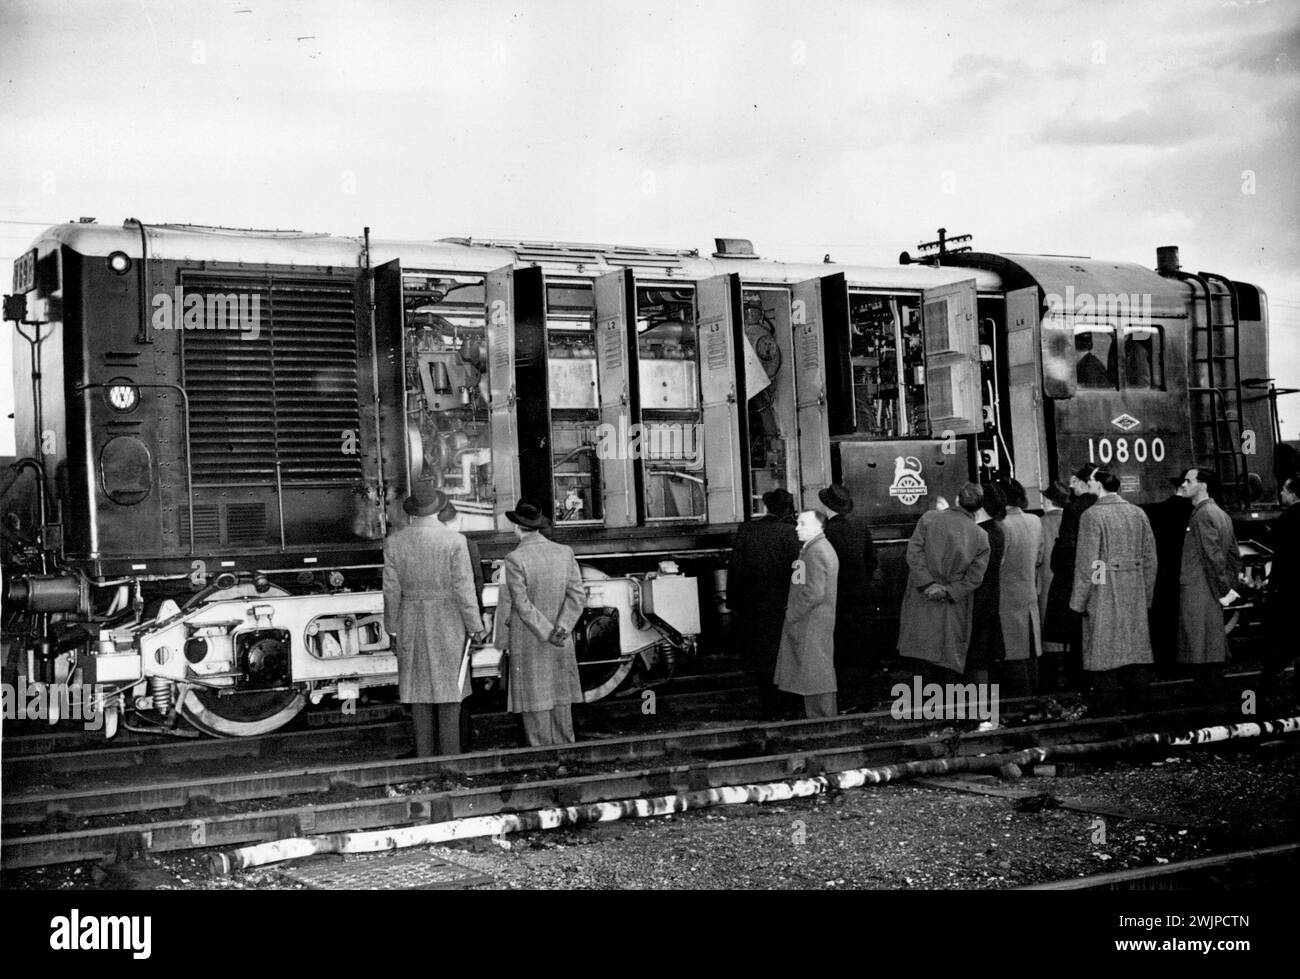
pixel 207 524
pixel 286 382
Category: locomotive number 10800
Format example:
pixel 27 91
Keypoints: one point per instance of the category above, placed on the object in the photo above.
pixel 1106 450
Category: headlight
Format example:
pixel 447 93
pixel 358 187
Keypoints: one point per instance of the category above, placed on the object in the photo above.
pixel 121 395
pixel 119 263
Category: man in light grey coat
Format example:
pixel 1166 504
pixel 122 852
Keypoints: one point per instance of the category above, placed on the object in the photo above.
pixel 430 609
pixel 946 559
pixel 1022 559
pixel 1115 566
pixel 805 663
pixel 540 604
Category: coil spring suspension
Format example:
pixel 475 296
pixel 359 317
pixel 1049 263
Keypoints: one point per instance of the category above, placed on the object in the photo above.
pixel 160 691
pixel 668 655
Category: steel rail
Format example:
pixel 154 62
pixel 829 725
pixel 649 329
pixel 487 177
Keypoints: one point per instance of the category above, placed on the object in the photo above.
pixel 224 830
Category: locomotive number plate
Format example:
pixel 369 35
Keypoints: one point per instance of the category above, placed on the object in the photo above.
pixel 1106 450
pixel 25 273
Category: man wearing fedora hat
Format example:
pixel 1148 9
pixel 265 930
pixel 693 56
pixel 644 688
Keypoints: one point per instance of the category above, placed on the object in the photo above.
pixel 430 606
pixel 851 538
pixel 758 585
pixel 540 604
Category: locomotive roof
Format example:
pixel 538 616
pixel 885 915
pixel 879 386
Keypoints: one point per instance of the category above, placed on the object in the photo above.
pixel 1087 277
pixel 246 246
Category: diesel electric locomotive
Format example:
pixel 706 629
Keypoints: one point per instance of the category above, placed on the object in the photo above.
pixel 216 428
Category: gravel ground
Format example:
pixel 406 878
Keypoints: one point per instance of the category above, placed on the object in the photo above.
pixel 893 836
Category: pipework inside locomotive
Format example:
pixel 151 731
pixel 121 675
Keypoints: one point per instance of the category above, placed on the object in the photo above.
pixel 447 395
pixel 670 443
pixel 769 387
pixel 887 350
pixel 574 396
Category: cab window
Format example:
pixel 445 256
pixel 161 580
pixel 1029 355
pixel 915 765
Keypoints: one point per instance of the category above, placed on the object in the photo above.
pixel 1144 351
pixel 1095 357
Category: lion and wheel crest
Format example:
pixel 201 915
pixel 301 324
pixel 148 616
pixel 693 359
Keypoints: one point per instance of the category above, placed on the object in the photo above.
pixel 908 485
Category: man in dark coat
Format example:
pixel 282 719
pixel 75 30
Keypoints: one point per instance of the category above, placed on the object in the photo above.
pixel 849 535
pixel 758 584
pixel 1282 597
pixel 540 604
pixel 946 560
pixel 805 663
pixel 430 607
pixel 1210 563
pixel 986 648
pixel 1169 524
pixel 1062 625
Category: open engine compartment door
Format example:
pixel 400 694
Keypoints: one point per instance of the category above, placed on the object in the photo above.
pixel 399 440
pixel 1028 437
pixel 516 334
pixel 721 398
pixel 819 319
pixel 620 408
pixel 952 359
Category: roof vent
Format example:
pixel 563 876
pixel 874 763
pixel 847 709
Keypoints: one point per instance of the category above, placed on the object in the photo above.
pixel 733 248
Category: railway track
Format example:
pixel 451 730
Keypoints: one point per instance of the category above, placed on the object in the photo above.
pixel 378 724
pixel 1241 869
pixel 352 797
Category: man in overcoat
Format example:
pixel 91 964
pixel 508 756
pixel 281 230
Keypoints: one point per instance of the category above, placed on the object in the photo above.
pixel 1113 584
pixel 1061 624
pixel 449 516
pixel 1022 560
pixel 430 608
pixel 540 604
pixel 758 584
pixel 805 663
pixel 1210 564
pixel 1055 498
pixel 1282 597
pixel 1169 520
pixel 946 559
pixel 851 537
pixel 985 650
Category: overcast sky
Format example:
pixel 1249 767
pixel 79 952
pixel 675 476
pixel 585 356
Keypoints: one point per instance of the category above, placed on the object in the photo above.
pixel 854 128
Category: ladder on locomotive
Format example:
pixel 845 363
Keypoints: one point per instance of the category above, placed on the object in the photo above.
pixel 1215 387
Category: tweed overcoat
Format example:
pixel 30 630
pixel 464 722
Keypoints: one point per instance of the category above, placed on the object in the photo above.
pixel 805 663
pixel 1018 600
pixel 946 548
pixel 543 589
pixel 430 603
pixel 758 585
pixel 1114 582
pixel 1210 563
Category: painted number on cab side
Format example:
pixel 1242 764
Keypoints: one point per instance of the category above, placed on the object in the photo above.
pixel 1106 450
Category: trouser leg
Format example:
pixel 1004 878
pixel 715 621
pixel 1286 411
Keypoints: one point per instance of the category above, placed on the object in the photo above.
pixel 562 724
pixel 820 705
pixel 537 727
pixel 426 742
pixel 448 729
pixel 466 727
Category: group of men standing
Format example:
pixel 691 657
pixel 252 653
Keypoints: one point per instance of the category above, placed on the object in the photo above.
pixel 798 587
pixel 1090 571
pixel 432 590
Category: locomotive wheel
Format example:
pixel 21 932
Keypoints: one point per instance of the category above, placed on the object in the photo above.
pixel 605 682
pixel 241 715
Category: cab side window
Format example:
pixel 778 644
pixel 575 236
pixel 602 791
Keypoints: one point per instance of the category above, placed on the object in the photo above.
pixel 1144 351
pixel 1095 357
